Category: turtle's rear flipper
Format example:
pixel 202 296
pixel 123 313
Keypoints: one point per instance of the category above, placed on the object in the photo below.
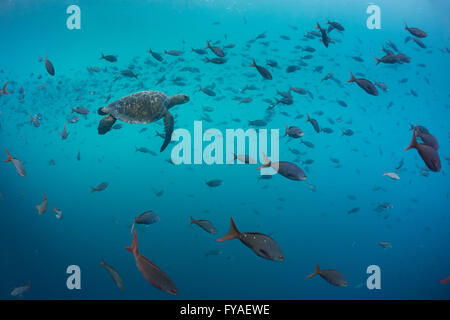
pixel 105 124
pixel 168 129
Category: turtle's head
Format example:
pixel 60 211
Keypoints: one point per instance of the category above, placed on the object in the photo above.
pixel 178 99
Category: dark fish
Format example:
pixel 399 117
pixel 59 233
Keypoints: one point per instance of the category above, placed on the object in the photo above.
pixel 389 59
pixel 364 84
pixel 128 73
pixel 325 39
pixel 154 275
pixel 291 69
pixel 286 169
pixel 214 183
pixel 80 110
pixel 205 225
pixel 263 71
pixel 217 51
pixel 102 186
pixel 342 103
pixel 427 138
pixel 354 210
pixel 392 45
pixel 49 66
pixel 78 156
pixel 331 276
pixel 207 91
pixel 335 25
pixel 155 55
pixel 382 86
pixel 109 58
pixel 173 52
pixel 257 123
pixel 327 130
pixel 428 154
pixel 314 123
pixel 298 90
pixel 114 275
pixel 147 218
pixel 261 244
pixel 308 144
pixel 419 43
pixel 347 132
pixel 199 51
pixel 293 132
pixel 216 60
pixel 416 32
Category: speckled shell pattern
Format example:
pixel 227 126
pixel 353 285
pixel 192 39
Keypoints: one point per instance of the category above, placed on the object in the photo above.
pixel 140 107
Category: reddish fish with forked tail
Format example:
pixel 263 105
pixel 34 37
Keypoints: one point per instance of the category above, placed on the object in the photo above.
pixel 64 134
pixel 331 276
pixel 17 164
pixel 428 154
pixel 43 206
pixel 445 280
pixel 4 91
pixel 154 275
pixel 261 244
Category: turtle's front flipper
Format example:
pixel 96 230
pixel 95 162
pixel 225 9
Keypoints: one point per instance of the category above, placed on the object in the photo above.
pixel 168 129
pixel 105 124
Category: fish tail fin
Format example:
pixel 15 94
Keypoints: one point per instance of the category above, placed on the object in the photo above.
pixel 206 60
pixel 207 45
pixel 4 89
pixel 73 110
pixel 165 51
pixel 318 26
pixel 133 248
pixel 406 26
pixel 102 263
pixel 200 88
pixel 233 232
pixel 9 157
pixel 192 220
pixel 285 134
pixel 413 143
pixel 378 61
pixel 234 155
pixel 253 64
pixel 102 57
pixel 267 164
pixel 308 118
pixel 31 118
pixel 92 189
pixel 314 273
pixel 352 78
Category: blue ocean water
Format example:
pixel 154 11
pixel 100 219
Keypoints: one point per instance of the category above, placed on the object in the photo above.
pixel 308 219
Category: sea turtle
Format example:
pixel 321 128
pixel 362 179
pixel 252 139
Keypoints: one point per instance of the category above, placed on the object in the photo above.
pixel 142 107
